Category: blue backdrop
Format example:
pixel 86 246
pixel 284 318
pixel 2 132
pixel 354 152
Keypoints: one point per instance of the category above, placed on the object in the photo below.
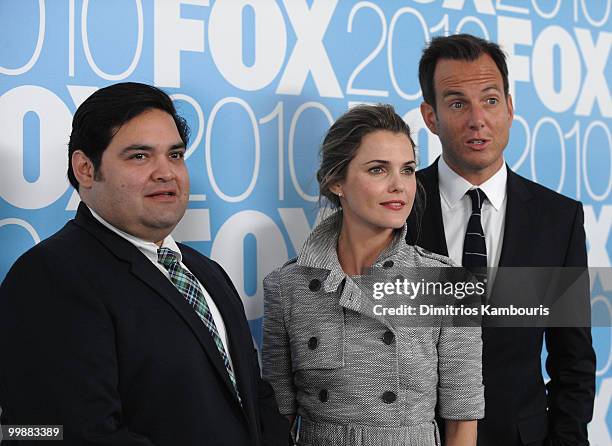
pixel 260 81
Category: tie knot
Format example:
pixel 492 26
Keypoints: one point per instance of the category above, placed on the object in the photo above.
pixel 166 257
pixel 478 197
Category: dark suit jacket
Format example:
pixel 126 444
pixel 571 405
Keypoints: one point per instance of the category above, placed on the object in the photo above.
pixel 542 228
pixel 95 338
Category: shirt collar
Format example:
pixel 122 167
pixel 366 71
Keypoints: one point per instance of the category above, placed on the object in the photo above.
pixel 453 186
pixel 149 249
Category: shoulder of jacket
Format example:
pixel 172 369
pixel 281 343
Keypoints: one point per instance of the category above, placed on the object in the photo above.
pixel 277 272
pixel 433 256
pixel 289 262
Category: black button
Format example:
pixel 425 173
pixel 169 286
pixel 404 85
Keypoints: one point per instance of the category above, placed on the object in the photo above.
pixel 313 343
pixel 314 285
pixel 389 397
pixel 388 264
pixel 323 396
pixel 388 337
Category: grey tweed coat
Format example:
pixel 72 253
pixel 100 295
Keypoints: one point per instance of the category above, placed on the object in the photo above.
pixel 353 377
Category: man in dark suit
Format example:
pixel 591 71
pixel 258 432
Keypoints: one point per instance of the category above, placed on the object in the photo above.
pixel 111 328
pixel 481 214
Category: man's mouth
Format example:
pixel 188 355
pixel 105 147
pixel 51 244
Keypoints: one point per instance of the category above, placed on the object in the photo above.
pixel 477 143
pixel 162 195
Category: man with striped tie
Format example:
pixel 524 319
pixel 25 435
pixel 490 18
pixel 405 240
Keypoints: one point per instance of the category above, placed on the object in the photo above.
pixel 111 328
pixel 481 214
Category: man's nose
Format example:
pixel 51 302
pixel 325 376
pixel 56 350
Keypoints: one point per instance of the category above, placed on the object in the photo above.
pixel 477 117
pixel 163 170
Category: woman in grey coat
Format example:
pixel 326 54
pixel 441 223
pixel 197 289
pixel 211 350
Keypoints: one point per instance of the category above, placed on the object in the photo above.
pixel 352 375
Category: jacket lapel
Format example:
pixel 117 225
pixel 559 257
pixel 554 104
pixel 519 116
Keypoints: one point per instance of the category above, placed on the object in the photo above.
pixel 431 236
pixel 218 289
pixel 144 270
pixel 521 217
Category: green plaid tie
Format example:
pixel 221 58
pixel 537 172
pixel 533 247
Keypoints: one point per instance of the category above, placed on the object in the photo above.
pixel 189 287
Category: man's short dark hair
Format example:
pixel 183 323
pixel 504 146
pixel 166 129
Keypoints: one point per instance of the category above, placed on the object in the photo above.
pixel 457 47
pixel 103 113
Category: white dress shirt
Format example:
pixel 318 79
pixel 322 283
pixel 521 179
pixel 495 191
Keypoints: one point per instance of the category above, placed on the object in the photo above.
pixel 457 208
pixel 149 249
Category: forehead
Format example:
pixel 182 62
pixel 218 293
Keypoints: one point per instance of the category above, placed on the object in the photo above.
pixel 457 75
pixel 151 127
pixel 383 144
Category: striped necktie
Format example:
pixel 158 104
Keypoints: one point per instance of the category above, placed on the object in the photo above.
pixel 189 287
pixel 474 246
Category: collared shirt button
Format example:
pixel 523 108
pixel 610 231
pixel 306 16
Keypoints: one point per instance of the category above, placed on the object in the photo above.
pixel 314 285
pixel 389 397
pixel 323 396
pixel 313 343
pixel 388 337
pixel 388 264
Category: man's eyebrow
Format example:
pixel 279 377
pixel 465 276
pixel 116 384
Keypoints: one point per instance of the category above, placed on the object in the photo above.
pixel 146 148
pixel 457 93
pixel 490 87
pixel 453 93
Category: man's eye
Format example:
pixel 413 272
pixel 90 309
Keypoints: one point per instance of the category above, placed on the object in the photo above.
pixel 492 101
pixel 456 105
pixel 177 155
pixel 138 156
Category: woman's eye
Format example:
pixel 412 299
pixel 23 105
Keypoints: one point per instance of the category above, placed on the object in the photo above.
pixel 409 170
pixel 376 170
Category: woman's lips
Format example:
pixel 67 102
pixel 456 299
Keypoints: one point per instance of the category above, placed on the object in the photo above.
pixel 394 205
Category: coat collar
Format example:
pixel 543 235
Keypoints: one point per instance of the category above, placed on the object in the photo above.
pixel 319 250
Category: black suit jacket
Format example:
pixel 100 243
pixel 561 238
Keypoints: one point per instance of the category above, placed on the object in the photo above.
pixel 95 338
pixel 542 228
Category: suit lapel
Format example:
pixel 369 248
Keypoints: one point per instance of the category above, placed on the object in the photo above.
pixel 521 217
pixel 218 289
pixel 431 235
pixel 144 270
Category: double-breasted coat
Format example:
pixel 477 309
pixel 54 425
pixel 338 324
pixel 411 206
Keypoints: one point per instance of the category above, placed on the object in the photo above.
pixel 354 377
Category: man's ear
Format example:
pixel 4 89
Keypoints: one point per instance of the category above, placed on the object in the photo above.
pixel 83 169
pixel 429 116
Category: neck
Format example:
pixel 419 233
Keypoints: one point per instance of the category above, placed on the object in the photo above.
pixel 475 177
pixel 359 247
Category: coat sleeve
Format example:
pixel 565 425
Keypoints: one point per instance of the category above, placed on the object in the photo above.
pixel 276 352
pixel 571 361
pixel 460 388
pixel 58 361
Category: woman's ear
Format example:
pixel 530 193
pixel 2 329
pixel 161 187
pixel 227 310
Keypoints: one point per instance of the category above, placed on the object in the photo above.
pixel 336 189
